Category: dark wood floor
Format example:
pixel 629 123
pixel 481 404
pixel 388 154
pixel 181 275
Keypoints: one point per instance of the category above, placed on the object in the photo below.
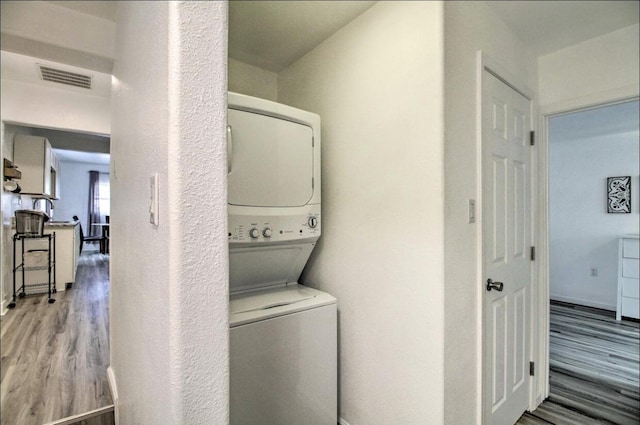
pixel 55 356
pixel 594 369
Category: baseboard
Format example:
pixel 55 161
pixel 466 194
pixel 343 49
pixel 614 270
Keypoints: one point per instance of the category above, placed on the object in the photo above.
pixel 114 394
pixel 587 303
pixel 83 417
pixel 3 307
pixel 342 422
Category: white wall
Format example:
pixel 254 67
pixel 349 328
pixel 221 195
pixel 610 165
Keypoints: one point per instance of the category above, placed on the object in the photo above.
pixel 591 72
pixel 582 234
pixel 252 80
pixel 40 106
pixel 169 283
pixel 377 85
pixel 74 191
pixel 469 27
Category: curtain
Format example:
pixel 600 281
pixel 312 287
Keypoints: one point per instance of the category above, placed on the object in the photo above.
pixel 94 204
pixel 99 201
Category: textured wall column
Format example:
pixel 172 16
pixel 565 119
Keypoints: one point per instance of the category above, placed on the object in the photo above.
pixel 169 282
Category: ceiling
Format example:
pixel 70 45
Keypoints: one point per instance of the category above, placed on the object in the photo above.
pixel 274 34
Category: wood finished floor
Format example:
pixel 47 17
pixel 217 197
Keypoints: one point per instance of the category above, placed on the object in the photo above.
pixel 594 369
pixel 55 356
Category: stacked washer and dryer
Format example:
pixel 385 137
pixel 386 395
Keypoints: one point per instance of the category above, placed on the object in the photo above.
pixel 283 335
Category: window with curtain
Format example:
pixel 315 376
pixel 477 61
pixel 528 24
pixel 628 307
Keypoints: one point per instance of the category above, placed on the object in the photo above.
pixel 99 201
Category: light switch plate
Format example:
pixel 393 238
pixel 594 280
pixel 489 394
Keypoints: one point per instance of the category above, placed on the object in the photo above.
pixel 154 201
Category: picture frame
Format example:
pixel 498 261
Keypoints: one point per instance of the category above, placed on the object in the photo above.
pixel 619 195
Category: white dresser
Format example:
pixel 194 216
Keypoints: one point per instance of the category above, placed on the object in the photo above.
pixel 628 277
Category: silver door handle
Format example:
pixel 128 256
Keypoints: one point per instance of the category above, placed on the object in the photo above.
pixel 498 286
pixel 229 147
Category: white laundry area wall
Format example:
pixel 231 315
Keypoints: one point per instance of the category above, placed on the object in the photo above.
pixel 377 85
pixel 252 80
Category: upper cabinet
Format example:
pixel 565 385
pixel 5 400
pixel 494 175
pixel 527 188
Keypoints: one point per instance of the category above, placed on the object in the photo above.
pixel 39 165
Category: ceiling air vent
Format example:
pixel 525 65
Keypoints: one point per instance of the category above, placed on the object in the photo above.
pixel 65 77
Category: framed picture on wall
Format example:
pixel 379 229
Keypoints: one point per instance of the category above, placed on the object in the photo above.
pixel 619 194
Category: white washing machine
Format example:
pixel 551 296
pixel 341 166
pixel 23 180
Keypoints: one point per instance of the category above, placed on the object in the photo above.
pixel 283 336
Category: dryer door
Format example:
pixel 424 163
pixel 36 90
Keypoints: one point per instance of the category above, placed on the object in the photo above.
pixel 271 162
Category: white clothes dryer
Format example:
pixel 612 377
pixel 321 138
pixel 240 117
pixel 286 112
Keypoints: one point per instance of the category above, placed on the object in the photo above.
pixel 283 335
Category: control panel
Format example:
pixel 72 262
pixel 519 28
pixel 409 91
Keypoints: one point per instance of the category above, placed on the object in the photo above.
pixel 273 228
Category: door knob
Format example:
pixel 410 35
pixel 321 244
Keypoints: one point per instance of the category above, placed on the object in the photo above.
pixel 498 286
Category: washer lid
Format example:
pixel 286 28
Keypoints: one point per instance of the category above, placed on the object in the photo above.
pixel 262 304
pixel 266 299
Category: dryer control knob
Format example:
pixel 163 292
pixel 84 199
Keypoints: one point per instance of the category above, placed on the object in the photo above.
pixel 267 233
pixel 254 233
pixel 312 222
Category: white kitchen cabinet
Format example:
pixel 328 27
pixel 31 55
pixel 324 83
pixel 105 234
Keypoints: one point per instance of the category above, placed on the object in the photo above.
pixel 39 165
pixel 55 175
pixel 67 253
pixel 628 277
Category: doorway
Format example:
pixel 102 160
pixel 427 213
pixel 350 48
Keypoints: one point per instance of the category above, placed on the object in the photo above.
pixel 587 146
pixel 36 334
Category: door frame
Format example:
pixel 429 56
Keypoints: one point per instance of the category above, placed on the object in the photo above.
pixel 538 385
pixel 596 100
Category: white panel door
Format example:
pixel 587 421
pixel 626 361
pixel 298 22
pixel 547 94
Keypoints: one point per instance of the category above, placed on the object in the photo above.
pixel 271 161
pixel 506 228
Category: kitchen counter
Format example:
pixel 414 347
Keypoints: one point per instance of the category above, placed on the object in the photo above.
pixel 54 224
pixel 61 223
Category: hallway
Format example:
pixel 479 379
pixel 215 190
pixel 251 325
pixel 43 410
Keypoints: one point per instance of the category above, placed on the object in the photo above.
pixel 55 356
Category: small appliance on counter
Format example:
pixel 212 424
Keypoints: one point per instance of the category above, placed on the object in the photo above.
pixel 30 222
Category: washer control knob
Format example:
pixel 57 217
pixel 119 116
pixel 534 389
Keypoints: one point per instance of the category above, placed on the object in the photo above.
pixel 254 233
pixel 267 232
pixel 312 222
